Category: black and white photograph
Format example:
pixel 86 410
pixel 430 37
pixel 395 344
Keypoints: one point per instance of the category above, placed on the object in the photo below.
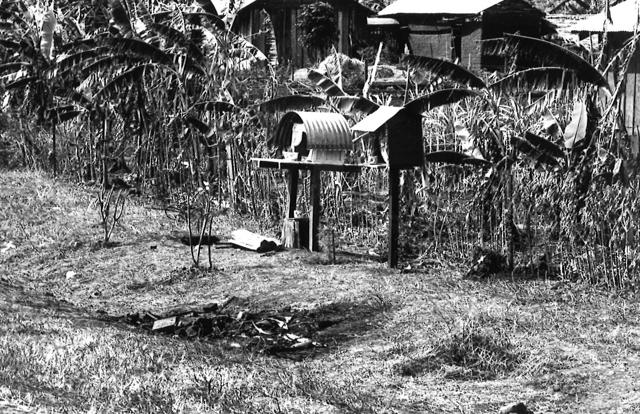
pixel 320 206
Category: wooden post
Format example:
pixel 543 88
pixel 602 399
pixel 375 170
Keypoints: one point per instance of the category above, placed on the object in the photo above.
pixel 394 215
pixel 314 223
pixel 294 175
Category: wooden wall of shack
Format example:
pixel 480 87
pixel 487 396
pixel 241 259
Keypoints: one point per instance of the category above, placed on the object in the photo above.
pixel 460 36
pixel 351 19
pixel 629 102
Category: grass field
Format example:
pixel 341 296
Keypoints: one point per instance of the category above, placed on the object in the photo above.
pixel 428 341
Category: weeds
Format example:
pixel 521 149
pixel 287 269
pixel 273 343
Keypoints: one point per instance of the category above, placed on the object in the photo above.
pixel 471 351
pixel 111 211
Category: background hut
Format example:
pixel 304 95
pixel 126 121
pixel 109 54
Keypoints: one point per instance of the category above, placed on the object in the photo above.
pixel 614 32
pixel 274 22
pixel 452 29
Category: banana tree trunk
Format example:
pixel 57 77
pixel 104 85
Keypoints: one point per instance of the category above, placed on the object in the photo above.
pixel 54 158
pixel 105 135
pixel 508 226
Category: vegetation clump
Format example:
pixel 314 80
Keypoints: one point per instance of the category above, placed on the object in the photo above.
pixel 467 353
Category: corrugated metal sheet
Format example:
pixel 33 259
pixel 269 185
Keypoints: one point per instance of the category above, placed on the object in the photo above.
pixel 624 16
pixel 437 7
pixel 324 130
pixel 382 21
pixel 377 119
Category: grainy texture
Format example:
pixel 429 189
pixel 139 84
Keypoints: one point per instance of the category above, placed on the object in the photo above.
pixel 556 347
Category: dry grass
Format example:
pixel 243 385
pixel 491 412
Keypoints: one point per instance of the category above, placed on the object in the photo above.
pixel 468 346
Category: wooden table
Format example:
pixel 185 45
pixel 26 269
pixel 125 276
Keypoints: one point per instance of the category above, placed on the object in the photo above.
pixel 294 168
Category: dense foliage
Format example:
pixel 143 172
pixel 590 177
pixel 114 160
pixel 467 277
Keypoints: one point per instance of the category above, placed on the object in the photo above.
pixel 318 26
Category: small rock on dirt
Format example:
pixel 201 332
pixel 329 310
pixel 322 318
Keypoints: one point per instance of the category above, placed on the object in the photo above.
pixel 515 408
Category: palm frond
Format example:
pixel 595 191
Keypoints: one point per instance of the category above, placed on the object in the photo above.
pixel 536 79
pixel 63 113
pixel 197 124
pixel 544 145
pixel 78 59
pixel 138 48
pixel 355 104
pixel 576 131
pixel 291 103
pixel 80 98
pixel 81 44
pixel 191 66
pixel 439 98
pixel 323 82
pixel 10 45
pixel 208 7
pixel 455 158
pixel 12 67
pixel 201 18
pixel 445 69
pixel 527 148
pixel 6 25
pixel 546 54
pixel 178 38
pixel 75 26
pixel 119 18
pixel 109 62
pixel 19 83
pixel 132 75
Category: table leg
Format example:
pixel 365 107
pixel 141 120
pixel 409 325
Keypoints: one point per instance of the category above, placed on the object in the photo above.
pixel 314 220
pixel 294 175
pixel 394 215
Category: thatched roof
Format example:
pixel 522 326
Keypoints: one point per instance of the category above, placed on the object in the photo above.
pixel 624 18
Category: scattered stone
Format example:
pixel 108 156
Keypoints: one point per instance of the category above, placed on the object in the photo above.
pixel 70 275
pixel 515 408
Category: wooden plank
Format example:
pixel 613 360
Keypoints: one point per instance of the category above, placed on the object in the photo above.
pixel 394 215
pixel 303 165
pixel 165 324
pixel 252 241
pixel 295 233
pixel 294 175
pixel 629 95
pixel 314 224
pixel 636 93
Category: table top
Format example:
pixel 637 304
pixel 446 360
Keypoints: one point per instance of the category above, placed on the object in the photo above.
pixel 305 165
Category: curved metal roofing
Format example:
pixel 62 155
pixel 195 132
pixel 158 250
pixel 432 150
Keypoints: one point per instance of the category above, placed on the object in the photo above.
pixel 624 18
pixel 325 130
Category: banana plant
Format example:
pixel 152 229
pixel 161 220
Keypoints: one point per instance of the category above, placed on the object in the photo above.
pixel 28 76
pixel 559 69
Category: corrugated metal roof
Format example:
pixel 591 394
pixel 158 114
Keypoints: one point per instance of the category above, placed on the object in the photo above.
pixel 624 16
pixel 324 130
pixel 437 7
pixel 382 21
pixel 376 120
